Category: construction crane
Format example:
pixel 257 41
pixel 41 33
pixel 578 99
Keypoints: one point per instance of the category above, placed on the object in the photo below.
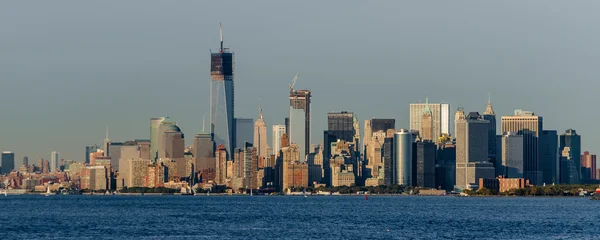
pixel 294 82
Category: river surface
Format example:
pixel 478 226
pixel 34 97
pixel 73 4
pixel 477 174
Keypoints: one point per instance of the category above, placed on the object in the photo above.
pixel 279 217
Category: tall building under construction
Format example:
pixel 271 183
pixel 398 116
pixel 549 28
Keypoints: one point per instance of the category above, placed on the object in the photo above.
pixel 222 96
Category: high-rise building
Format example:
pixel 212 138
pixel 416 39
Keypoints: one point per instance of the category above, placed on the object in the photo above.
pixel 299 120
pixel 173 144
pixel 260 136
pixel 446 166
pixel 440 116
pixel 568 170
pixel 8 162
pixel 341 125
pixel 54 161
pixel 221 165
pixel 403 157
pixel 144 147
pixel 530 126
pixel 588 165
pixel 244 132
pixel 512 155
pixel 572 171
pixel 490 116
pixel 549 162
pixel 114 152
pixel 204 151
pixel 427 124
pixel 170 140
pixel 88 150
pixel 155 135
pixel 471 150
pixel 222 96
pixel 278 131
pixel 389 168
pixel 25 161
pixel 425 164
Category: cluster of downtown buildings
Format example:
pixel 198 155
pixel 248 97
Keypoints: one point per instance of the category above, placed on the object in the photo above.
pixel 235 153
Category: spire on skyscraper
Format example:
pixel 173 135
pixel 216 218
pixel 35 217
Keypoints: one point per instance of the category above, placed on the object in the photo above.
pixel 427 109
pixel 489 110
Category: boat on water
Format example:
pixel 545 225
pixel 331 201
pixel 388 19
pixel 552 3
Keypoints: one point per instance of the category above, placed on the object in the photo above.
pixel 48 193
pixel 596 195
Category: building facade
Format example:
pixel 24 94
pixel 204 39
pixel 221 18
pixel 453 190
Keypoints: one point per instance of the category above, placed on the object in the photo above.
pixel 278 131
pixel 260 136
pixel 222 97
pixel 530 126
pixel 439 113
pixel 471 150
pixel 299 120
pixel 570 139
pixel 403 157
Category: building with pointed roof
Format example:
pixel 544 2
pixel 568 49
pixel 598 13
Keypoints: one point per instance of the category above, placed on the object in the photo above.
pixel 260 135
pixel 426 130
pixel 491 117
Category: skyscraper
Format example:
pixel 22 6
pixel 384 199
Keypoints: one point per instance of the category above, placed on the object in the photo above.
pixel 427 124
pixel 204 151
pixel 403 157
pixel 155 137
pixel 341 125
pixel 222 96
pixel 439 114
pixel 54 161
pixel 88 150
pixel 549 162
pixel 244 132
pixel 389 168
pixel 425 164
pixel 25 161
pixel 8 162
pixel 471 150
pixel 278 131
pixel 530 126
pixel 512 155
pixel 299 123
pixel 572 140
pixel 260 136
pixel 114 152
pixel 490 116
pixel 588 165
pixel 170 140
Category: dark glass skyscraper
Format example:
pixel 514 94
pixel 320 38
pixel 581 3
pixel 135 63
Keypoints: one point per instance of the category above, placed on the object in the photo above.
pixel 8 162
pixel 222 97
pixel 571 166
pixel 299 121
pixel 549 163
pixel 341 125
pixel 382 124
pixel 491 117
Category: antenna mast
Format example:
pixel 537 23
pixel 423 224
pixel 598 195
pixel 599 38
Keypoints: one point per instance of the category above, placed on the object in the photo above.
pixel 221 35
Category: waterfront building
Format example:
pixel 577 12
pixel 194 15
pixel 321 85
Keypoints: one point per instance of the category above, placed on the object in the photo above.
pixel 222 96
pixel 445 176
pixel 260 136
pixel 571 158
pixel 588 167
pixel 54 161
pixel 94 178
pixel 278 131
pixel 512 155
pixel 471 150
pixel 530 126
pixel 389 168
pixel 424 176
pixel 549 157
pixel 440 117
pixel 403 157
pixel 295 172
pixel 221 165
pixel 298 128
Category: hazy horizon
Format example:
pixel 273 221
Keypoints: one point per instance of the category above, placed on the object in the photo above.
pixel 71 68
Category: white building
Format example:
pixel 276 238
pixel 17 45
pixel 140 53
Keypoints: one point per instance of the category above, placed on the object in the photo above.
pixel 440 116
pixel 278 131
pixel 54 161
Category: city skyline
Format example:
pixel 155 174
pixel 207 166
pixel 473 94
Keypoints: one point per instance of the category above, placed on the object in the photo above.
pixel 127 119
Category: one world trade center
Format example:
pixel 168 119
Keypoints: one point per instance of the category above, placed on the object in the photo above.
pixel 221 96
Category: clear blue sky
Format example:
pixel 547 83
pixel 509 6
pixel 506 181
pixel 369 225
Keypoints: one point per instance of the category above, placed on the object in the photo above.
pixel 70 68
